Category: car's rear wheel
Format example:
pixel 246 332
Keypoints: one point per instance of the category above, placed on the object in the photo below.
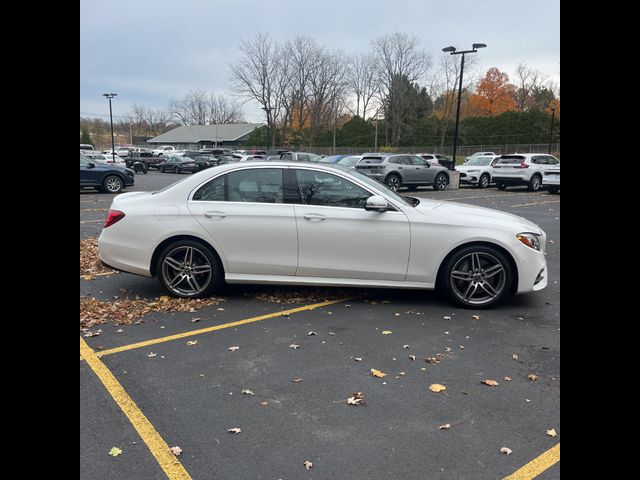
pixel 484 181
pixel 112 184
pixel 176 170
pixel 477 276
pixel 501 186
pixel 534 183
pixel 441 182
pixel 394 182
pixel 189 269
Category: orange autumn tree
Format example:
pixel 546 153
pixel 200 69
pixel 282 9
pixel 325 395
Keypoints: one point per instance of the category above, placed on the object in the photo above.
pixel 494 95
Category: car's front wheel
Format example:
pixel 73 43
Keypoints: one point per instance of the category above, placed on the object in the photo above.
pixel 189 269
pixel 112 184
pixel 394 182
pixel 441 182
pixel 477 276
pixel 484 180
pixel 534 183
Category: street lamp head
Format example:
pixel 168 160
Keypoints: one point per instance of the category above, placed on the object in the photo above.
pixel 449 49
pixel 479 45
pixel 109 95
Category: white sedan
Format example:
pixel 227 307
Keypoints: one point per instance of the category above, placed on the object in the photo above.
pixel 478 170
pixel 312 224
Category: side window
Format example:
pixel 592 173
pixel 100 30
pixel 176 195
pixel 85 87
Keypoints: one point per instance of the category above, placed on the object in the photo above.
pixel 303 157
pixel 212 191
pixel 552 160
pixel 261 185
pixel 398 160
pixel 286 156
pixel 415 160
pixel 320 188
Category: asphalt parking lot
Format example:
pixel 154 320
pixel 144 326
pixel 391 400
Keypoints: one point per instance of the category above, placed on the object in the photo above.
pixel 144 388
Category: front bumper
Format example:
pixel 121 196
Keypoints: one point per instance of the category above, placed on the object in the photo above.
pixel 552 179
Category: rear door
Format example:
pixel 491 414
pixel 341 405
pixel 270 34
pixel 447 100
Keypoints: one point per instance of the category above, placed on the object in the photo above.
pixel 246 217
pixel 422 171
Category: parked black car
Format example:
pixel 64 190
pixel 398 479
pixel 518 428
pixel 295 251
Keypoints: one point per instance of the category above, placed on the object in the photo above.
pixel 146 157
pixel 178 165
pixel 104 177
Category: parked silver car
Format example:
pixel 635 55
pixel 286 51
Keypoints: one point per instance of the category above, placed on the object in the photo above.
pixel 403 170
pixel 300 157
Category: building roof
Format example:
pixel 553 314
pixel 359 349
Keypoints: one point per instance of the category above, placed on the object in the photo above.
pixel 213 133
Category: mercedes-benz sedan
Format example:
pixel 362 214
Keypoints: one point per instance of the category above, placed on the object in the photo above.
pixel 312 224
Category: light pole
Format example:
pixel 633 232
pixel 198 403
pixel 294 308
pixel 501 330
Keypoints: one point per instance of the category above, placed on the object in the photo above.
pixel 553 114
pixel 452 51
pixel 267 110
pixel 113 146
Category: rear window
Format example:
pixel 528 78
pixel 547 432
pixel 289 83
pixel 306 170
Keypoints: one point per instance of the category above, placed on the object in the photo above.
pixel 511 159
pixel 371 160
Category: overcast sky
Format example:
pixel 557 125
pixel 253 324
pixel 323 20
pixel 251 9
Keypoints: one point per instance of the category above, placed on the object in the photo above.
pixel 148 51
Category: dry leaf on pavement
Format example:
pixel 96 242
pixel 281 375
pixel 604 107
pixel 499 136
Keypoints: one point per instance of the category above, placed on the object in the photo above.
pixel 151 354
pixel 356 398
pixel 356 359
pixel 234 430
pixel 294 346
pixel 475 317
pixel 264 404
pixel 505 450
pixel 406 346
pixel 434 360
pixel 514 356
pixel 307 464
pixel 176 450
pixel 192 342
pixel 533 377
pixel 552 432
pixel 446 426
pixel 386 332
pixel 491 383
pixel 311 333
pixel 412 357
pixel 246 391
pixel 507 379
pixel 115 451
pixel 233 349
pixel 297 380
pixel 436 387
pixel 378 373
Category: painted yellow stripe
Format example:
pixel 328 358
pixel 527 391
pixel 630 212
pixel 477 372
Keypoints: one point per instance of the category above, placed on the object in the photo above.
pixel 218 327
pixel 538 465
pixel 159 448
pixel 99 274
pixel 534 203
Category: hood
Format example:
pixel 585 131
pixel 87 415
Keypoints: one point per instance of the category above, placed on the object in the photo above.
pixel 460 213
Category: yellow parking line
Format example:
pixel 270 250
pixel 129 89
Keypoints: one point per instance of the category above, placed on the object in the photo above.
pixel 534 203
pixel 536 466
pixel 99 274
pixel 158 447
pixel 219 327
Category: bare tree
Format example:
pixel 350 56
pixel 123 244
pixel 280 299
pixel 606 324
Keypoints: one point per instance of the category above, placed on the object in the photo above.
pixel 222 110
pixel 361 80
pixel 191 110
pixel 527 82
pixel 399 62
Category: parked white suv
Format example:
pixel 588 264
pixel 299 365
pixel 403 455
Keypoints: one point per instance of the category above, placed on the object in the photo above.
pixel 478 170
pixel 163 150
pixel 523 169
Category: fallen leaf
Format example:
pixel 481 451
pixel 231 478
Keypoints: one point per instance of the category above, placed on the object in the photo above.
pixel 88 277
pixel 491 383
pixel 297 380
pixel 356 398
pixel 164 298
pixel 119 330
pixel 264 404
pixel 311 333
pixel 246 391
pixel 552 432
pixel 307 464
pixel 331 333
pixel 233 349
pixel 220 309
pixel 176 451
pixel 475 317
pixel 151 354
pixel 448 349
pixel 514 356
pixel 294 346
pixel 447 318
pixel 356 359
pixel 115 451
pixel 436 387
pixel 192 342
pixel 397 314
pixel 461 347
pixel 386 332
pixel 234 430
pixel 402 373
pixel 434 360
pixel 505 450
pixel 533 377
pixel 378 373
pixel 446 426
pixel 406 346
pixel 412 357
pixel 194 320
pixel 507 379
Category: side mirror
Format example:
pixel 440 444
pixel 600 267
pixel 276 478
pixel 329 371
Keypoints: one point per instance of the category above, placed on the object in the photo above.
pixel 91 165
pixel 376 203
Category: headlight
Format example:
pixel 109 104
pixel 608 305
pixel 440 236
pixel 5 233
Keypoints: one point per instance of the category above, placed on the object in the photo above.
pixel 473 171
pixel 531 240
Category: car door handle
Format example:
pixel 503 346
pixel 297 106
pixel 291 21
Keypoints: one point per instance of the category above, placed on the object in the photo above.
pixel 215 214
pixel 399 168
pixel 314 216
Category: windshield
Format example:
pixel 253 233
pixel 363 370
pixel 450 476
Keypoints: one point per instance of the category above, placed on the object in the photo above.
pixel 479 161
pixel 329 159
pixel 379 185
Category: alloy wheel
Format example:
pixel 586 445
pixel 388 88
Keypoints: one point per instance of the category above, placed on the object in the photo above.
pixel 393 182
pixel 187 271
pixel 478 278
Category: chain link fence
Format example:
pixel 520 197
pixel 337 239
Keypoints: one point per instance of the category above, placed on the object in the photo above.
pixel 463 151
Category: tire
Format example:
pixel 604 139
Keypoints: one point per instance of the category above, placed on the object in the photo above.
pixel 484 180
pixel 464 276
pixel 534 183
pixel 112 184
pixel 501 186
pixel 189 269
pixel 394 182
pixel 441 182
pixel 553 189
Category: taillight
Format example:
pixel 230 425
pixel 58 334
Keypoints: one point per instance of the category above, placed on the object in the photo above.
pixel 113 217
pixel 523 165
